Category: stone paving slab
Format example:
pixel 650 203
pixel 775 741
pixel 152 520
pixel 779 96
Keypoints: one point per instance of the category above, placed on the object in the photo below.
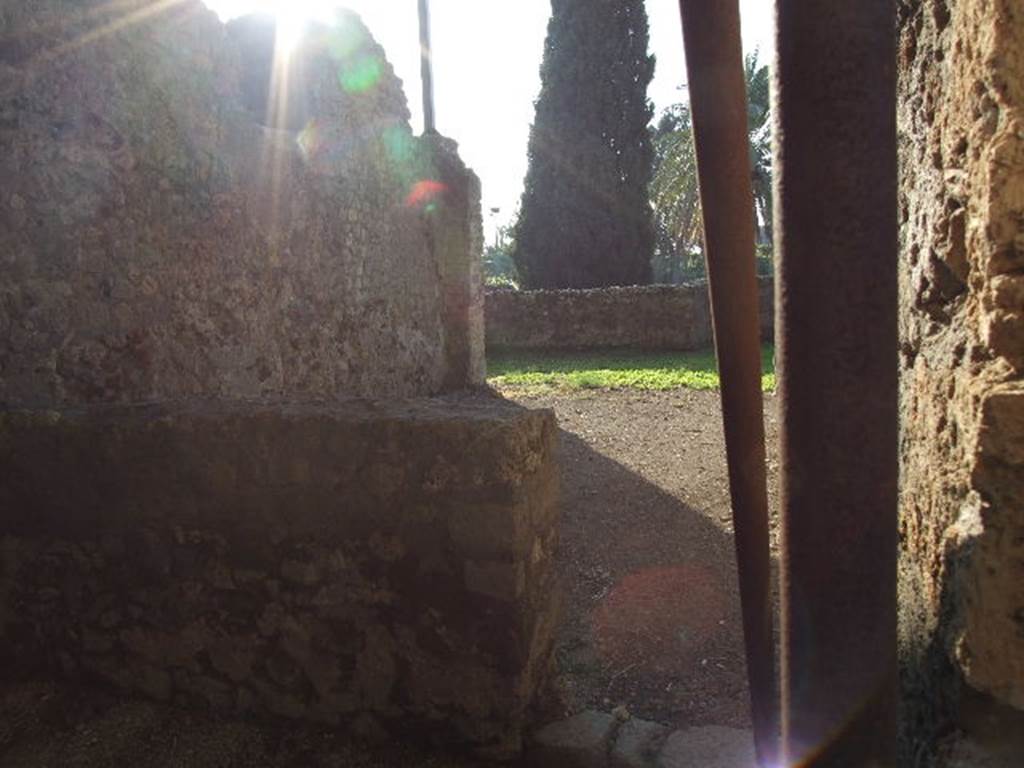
pixel 596 740
pixel 582 741
pixel 708 747
pixel 637 744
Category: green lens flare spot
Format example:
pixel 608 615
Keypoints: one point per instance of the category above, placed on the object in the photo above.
pixel 361 74
pixel 399 144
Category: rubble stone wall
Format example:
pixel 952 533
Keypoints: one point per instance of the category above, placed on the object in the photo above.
pixel 161 237
pixel 961 121
pixel 206 259
pixel 664 317
pixel 387 566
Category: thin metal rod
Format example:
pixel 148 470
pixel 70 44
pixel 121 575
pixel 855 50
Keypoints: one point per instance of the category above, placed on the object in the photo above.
pixel 836 287
pixel 426 67
pixel 714 62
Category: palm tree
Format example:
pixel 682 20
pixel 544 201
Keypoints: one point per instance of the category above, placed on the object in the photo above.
pixel 674 192
pixel 675 197
pixel 759 130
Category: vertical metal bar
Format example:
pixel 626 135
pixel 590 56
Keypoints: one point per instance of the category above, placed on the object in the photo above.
pixel 836 226
pixel 714 61
pixel 426 67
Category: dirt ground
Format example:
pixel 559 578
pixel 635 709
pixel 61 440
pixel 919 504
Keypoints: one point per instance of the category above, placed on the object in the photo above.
pixel 651 621
pixel 647 556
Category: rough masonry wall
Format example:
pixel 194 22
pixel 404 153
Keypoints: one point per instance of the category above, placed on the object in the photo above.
pixel 160 238
pixel 385 566
pixel 961 121
pixel 641 317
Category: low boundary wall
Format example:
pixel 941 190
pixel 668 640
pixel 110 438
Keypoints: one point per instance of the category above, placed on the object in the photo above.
pixel 656 317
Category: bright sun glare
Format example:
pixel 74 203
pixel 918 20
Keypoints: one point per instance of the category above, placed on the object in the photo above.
pixel 291 15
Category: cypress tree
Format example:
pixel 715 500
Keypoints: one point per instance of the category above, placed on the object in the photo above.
pixel 585 220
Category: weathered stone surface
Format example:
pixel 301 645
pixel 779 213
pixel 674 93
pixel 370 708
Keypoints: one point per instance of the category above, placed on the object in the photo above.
pixel 173 551
pixel 961 93
pixel 643 317
pixel 968 754
pixel 708 747
pixel 171 235
pixel 990 729
pixel 637 744
pixel 582 741
pixel 990 648
pixel 164 236
pixel 457 242
pixel 501 580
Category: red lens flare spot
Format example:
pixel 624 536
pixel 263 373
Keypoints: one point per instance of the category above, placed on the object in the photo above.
pixel 424 192
pixel 659 618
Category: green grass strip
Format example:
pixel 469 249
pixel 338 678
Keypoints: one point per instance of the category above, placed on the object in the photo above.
pixel 612 369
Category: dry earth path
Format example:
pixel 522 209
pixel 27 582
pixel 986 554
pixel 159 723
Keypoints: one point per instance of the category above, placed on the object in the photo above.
pixel 647 556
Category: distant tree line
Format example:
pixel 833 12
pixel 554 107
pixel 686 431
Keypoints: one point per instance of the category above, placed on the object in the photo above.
pixel 608 198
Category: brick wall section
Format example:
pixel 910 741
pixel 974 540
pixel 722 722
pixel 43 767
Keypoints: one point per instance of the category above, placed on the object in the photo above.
pixel 961 120
pixel 305 561
pixel 655 317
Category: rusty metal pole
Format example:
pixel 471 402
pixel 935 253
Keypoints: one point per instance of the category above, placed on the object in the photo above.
pixel 718 101
pixel 426 67
pixel 836 289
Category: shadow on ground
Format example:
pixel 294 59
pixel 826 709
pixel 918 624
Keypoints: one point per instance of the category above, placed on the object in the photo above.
pixel 653 618
pixel 647 559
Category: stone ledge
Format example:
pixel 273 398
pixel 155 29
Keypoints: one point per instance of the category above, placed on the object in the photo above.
pixel 232 462
pixel 310 561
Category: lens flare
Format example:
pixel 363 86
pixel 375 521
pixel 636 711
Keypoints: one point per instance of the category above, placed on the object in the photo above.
pixel 361 73
pixel 399 143
pixel 309 140
pixel 425 194
pixel 289 32
pixel 291 15
pixel 660 619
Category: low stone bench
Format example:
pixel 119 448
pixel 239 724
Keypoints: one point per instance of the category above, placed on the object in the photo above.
pixel 390 564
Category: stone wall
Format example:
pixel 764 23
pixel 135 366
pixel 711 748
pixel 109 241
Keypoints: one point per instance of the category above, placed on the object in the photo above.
pixel 664 317
pixel 205 259
pixel 166 233
pixel 383 565
pixel 961 120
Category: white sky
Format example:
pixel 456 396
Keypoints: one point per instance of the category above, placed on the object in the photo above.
pixel 487 71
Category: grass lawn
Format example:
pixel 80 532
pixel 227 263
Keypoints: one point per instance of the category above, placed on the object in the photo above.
pixel 527 372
